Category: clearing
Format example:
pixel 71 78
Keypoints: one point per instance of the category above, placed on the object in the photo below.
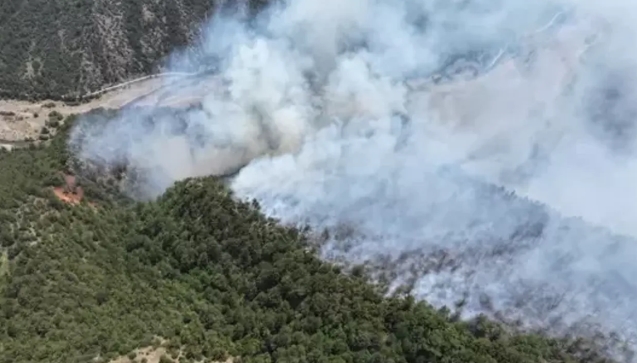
pixel 22 121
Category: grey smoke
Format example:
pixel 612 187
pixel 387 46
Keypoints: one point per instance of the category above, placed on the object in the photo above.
pixel 393 118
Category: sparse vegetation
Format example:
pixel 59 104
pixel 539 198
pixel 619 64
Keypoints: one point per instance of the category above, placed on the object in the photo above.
pixel 54 115
pixel 53 123
pixel 54 119
pixel 217 279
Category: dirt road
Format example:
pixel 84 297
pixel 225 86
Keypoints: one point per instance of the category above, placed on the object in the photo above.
pixel 22 121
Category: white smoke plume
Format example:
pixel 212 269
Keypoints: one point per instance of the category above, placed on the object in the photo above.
pixel 391 117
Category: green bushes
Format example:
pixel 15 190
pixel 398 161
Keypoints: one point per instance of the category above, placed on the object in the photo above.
pixel 211 275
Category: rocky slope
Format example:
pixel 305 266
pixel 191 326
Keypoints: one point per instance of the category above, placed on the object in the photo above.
pixel 49 49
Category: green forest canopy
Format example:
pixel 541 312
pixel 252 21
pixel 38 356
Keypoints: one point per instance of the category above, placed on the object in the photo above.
pixel 212 275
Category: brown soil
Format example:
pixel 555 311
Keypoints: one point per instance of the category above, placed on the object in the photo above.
pixel 70 198
pixel 70 193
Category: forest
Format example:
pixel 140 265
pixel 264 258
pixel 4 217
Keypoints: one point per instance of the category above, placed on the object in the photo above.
pixel 66 48
pixel 87 275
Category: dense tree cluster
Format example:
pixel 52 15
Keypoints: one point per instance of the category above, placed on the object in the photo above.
pixel 212 275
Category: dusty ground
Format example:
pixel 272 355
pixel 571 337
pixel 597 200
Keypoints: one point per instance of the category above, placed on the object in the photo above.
pixel 22 120
pixel 153 355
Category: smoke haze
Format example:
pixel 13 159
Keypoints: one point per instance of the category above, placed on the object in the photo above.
pixel 396 118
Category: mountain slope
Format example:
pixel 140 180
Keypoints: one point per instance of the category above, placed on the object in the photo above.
pixel 212 275
pixel 49 49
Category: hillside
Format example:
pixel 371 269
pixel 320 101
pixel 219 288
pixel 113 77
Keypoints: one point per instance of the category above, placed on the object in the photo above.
pixel 50 49
pixel 99 276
